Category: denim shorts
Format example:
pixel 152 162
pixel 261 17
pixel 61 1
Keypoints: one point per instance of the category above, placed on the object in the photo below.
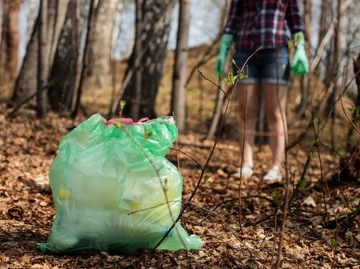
pixel 264 66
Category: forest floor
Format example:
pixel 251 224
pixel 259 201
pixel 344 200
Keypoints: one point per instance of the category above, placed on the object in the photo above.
pixel 319 230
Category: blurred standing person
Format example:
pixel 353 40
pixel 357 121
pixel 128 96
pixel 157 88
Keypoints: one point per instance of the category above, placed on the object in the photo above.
pixel 260 31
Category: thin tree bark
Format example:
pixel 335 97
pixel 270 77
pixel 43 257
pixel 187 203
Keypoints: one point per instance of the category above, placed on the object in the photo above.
pixel 42 66
pixel 306 82
pixel 321 47
pixel 178 98
pixel 329 59
pixel 219 103
pixel 9 41
pixel 356 108
pixel 65 69
pixel 335 60
pixel 135 108
pixel 337 48
pixel 75 37
pixel 31 19
pixel 357 79
pixel 78 90
pixel 97 73
pixel 323 21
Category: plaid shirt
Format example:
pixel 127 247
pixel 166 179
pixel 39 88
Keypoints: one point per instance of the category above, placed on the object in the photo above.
pixel 263 23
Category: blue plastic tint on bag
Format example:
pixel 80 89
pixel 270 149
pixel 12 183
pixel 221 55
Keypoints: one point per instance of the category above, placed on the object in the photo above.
pixel 114 190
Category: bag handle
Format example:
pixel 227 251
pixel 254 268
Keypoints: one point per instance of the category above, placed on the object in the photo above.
pixel 129 121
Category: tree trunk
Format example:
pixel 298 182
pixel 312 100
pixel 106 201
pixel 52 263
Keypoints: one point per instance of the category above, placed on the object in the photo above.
pixel 356 108
pixel 79 86
pixel 71 97
pixel 9 41
pixel 306 82
pixel 335 62
pixel 97 73
pixel 25 85
pixel 329 59
pixel 42 66
pixel 323 25
pixel 156 15
pixel 65 69
pixel 135 108
pixel 178 98
pixel 31 18
pixel 219 103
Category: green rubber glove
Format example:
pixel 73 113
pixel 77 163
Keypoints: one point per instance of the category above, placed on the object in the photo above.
pixel 300 63
pixel 226 41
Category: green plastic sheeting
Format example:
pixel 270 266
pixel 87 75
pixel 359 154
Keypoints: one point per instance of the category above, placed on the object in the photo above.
pixel 114 190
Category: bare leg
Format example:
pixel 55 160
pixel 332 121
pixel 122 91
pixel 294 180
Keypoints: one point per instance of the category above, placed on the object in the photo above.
pixel 248 95
pixel 275 105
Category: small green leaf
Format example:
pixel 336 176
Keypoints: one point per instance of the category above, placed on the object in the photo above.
pixel 122 104
pixel 311 153
pixel 118 124
pixel 333 243
pixel 302 183
pixel 317 122
pixel 231 78
pixel 147 133
pixel 277 198
pixel 242 75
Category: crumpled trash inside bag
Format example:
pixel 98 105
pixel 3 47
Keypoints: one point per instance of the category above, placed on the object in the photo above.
pixel 114 190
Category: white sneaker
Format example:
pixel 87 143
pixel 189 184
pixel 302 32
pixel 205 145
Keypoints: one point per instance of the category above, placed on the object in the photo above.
pixel 274 174
pixel 246 171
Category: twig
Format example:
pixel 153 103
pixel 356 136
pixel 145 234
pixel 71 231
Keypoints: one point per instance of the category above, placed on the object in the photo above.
pixel 343 108
pixel 287 180
pixel 23 102
pixel 156 169
pixel 201 177
pixel 212 212
pixel 246 197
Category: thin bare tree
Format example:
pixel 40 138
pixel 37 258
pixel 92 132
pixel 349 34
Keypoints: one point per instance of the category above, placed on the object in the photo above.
pixel 334 58
pixel 135 108
pixel 65 69
pixel 9 40
pixel 42 65
pixel 219 103
pixel 306 81
pixel 98 57
pixel 178 96
pixel 79 86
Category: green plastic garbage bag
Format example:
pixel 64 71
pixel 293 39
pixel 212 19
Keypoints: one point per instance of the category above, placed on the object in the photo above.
pixel 114 190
